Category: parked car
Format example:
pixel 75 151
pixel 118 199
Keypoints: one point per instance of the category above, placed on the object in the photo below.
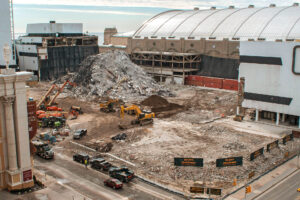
pixel 96 163
pixel 81 157
pixel 79 133
pixel 113 183
pixel 122 173
pixel 105 166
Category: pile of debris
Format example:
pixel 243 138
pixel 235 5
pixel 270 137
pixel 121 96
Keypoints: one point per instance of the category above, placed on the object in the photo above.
pixel 159 104
pixel 113 75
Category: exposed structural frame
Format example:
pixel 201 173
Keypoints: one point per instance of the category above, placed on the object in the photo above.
pixel 167 64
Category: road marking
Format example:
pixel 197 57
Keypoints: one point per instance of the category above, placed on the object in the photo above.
pixel 152 192
pixel 111 155
pixel 130 163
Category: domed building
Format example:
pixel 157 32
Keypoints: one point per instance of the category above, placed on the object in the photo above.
pixel 177 43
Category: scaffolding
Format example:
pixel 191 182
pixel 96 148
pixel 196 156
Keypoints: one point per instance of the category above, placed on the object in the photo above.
pixel 164 65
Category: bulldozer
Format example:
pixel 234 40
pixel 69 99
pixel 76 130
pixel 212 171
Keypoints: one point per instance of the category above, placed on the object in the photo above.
pixel 142 118
pixel 108 106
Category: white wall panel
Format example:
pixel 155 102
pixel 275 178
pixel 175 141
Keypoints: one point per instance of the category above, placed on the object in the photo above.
pixel 272 80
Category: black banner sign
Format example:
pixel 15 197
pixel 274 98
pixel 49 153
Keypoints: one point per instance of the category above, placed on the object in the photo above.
pixel 214 191
pixel 287 138
pixel 188 162
pixel 197 190
pixel 234 161
pixel 251 174
pixel 272 145
pixel 257 153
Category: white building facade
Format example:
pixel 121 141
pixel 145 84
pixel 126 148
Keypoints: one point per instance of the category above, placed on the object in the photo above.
pixel 272 77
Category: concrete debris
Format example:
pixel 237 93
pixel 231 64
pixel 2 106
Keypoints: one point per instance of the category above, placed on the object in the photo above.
pixel 112 74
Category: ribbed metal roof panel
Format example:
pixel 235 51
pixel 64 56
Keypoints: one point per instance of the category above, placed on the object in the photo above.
pixel 270 23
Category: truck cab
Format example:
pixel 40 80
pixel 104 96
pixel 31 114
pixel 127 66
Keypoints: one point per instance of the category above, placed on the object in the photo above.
pixel 43 150
pixel 121 173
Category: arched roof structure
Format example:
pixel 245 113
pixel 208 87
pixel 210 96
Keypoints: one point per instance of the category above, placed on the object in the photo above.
pixel 268 23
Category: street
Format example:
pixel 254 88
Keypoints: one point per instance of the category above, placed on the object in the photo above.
pixel 89 182
pixel 287 189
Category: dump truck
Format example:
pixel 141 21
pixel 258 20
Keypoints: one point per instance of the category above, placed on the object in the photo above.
pixel 121 173
pixel 43 150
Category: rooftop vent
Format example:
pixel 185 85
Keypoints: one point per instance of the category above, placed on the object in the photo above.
pixel 296 4
pixel 196 8
pixel 251 6
pixel 261 39
pixel 52 22
pixel 289 40
pixel 231 7
pixel 213 8
pixel 272 5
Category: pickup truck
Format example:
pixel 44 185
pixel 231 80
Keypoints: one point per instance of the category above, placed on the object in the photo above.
pixel 121 173
pixel 79 133
pixel 43 150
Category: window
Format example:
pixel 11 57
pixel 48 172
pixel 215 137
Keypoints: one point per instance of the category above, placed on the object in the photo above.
pixel 296 60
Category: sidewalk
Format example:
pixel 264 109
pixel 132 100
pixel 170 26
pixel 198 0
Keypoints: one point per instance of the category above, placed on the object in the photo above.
pixel 267 181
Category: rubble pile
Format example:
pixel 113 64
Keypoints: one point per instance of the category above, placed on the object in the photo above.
pixel 113 75
pixel 159 104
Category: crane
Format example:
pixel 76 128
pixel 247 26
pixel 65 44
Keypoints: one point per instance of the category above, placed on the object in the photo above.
pixel 46 98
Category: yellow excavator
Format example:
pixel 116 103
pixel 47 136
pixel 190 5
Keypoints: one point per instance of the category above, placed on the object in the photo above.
pixel 108 106
pixel 142 118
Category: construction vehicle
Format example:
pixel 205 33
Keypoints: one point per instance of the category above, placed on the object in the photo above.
pixel 43 150
pixel 142 118
pixel 121 173
pixel 77 109
pixel 108 106
pixel 46 100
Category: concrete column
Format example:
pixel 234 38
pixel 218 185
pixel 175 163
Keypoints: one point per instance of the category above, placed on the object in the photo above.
pixel 256 115
pixel 277 119
pixel 10 132
pixel 283 118
pixel 237 110
pixel 21 123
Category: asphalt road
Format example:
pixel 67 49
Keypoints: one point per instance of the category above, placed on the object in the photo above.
pixel 285 190
pixel 89 182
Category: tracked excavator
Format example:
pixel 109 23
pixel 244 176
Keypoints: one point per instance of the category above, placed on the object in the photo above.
pixel 142 118
pixel 109 105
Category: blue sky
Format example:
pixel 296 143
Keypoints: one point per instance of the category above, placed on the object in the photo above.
pixel 125 15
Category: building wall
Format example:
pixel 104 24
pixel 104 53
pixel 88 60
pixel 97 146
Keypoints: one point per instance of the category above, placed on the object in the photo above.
pixel 276 80
pixel 119 40
pixel 15 160
pixel 108 33
pixel 214 48
pixel 46 28
pixel 5 31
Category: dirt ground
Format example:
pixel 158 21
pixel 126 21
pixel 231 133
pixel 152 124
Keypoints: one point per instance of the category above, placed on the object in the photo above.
pixel 197 127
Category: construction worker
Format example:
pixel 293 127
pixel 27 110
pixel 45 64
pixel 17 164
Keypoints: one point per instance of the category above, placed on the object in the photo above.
pixel 85 163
